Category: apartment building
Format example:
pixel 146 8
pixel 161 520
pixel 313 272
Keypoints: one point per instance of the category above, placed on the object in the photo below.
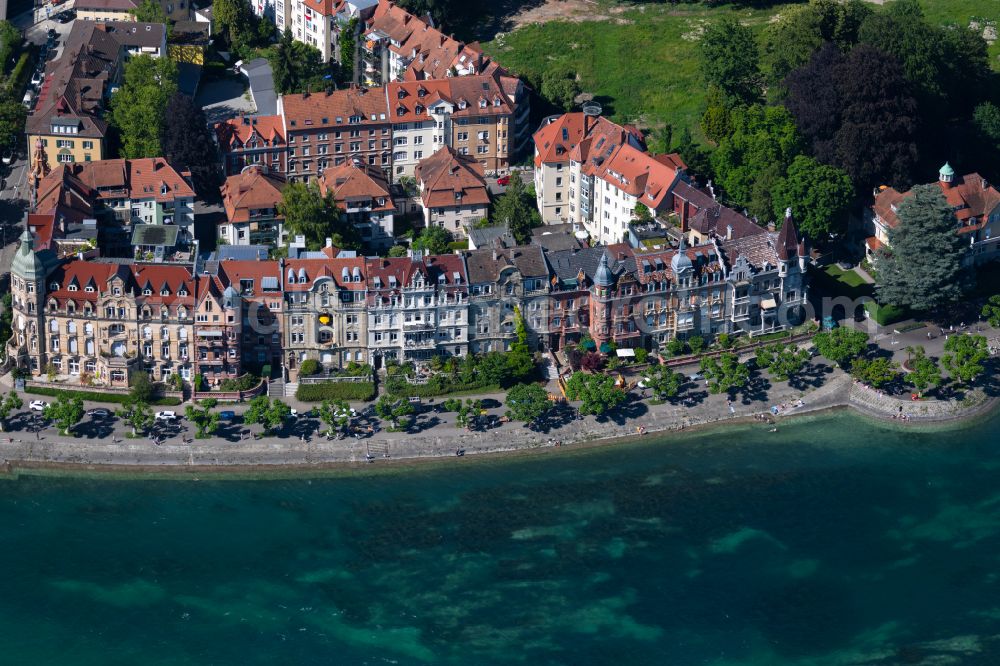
pixel 974 200
pixel 251 200
pixel 320 23
pixel 363 195
pixel 417 307
pixel 252 141
pixel 258 284
pixel 501 281
pixel 453 191
pixel 324 317
pixel 592 172
pixel 472 114
pixel 335 127
pixel 399 46
pixel 100 321
pixel 103 11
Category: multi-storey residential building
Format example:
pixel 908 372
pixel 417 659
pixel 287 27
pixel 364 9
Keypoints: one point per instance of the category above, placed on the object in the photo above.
pixel 332 128
pixel 502 280
pixel 218 324
pixel 252 141
pixel 453 191
pixel 473 114
pixel 320 23
pixel 145 191
pixel 262 316
pixel 417 307
pixel 977 208
pixel 592 172
pixel 325 311
pixel 68 116
pixel 363 194
pixel 103 11
pixel 100 321
pixel 251 203
pixel 398 45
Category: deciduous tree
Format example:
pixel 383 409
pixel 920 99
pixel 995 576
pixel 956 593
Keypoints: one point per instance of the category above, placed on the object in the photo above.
pixel 725 373
pixel 65 411
pixel 781 360
pixel 598 392
pixel 314 216
pixel 137 414
pixel 964 356
pixel 841 345
pixel 527 402
pixel 924 371
pixel 876 372
pixel 922 267
pixel 433 240
pixel 664 382
pixel 516 208
pixel 991 310
pixel 818 194
pixel 730 60
pixel 187 142
pixel 138 108
pixel 12 401
pixel 205 420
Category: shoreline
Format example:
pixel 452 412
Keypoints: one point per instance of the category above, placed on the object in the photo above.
pixel 837 394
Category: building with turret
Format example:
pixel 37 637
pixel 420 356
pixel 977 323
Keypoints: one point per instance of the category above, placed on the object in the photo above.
pixel 975 201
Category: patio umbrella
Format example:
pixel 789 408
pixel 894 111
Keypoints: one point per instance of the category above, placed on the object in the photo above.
pixel 605 347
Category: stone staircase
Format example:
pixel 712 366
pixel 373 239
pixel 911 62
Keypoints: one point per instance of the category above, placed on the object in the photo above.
pixel 278 388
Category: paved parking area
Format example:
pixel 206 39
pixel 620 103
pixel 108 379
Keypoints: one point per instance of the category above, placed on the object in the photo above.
pixel 223 98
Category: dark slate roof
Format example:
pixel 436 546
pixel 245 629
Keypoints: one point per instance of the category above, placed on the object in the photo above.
pixel 483 267
pixel 759 250
pixel 555 237
pixel 485 236
pixel 155 234
pixel 566 264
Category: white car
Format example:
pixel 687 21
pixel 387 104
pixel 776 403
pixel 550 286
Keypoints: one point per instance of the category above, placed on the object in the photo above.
pixel 8 157
pixel 166 415
pixel 696 377
pixel 37 405
pixel 643 383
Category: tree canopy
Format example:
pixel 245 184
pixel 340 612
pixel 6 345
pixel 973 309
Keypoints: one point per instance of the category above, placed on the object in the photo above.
pixel 876 372
pixel 296 66
pixel 922 267
pixel 516 207
pixel 151 11
pixel 433 240
pixel 819 196
pixel 924 371
pixel 65 411
pixel 841 345
pixel 527 402
pixel 730 60
pixel 138 109
pixel 664 382
pixel 781 360
pixel 964 356
pixel 186 141
pixel 725 373
pixel 598 392
pixel 316 217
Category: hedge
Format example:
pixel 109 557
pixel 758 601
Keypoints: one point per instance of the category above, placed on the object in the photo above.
pixel 18 79
pixel 335 391
pixel 404 389
pixel 95 396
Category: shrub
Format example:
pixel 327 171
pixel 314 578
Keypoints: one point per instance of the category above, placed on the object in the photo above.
pixel 641 355
pixel 265 371
pixel 95 396
pixel 335 391
pixel 433 389
pixel 309 367
pixel 19 76
pixel 242 383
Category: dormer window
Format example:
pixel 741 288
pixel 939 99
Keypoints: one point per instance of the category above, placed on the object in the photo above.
pixel 72 287
pixel 88 289
pixel 163 189
pixel 401 94
pixel 117 291
pixel 54 286
pixel 182 292
pixel 147 292
pixel 462 104
pixel 164 292
pixel 496 101
pixel 482 104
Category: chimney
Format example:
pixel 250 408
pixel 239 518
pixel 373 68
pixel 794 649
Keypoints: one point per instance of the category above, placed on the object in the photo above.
pixel 770 226
pixel 329 242
pixel 729 232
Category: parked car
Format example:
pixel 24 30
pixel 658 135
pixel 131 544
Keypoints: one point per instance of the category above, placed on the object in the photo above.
pixel 52 32
pixel 99 412
pixel 28 99
pixel 227 415
pixel 37 405
pixel 503 180
pixel 37 78
pixel 166 415
pixel 65 17
pixel 695 377
pixel 8 156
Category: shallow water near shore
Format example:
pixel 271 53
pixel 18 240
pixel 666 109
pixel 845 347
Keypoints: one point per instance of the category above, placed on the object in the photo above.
pixel 832 541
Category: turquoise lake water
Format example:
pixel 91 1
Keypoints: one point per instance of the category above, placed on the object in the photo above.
pixel 832 541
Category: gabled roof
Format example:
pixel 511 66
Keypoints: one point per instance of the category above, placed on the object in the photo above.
pixel 357 182
pixel 971 196
pixel 331 109
pixel 450 179
pixel 143 178
pixel 235 133
pixel 250 190
pixel 432 54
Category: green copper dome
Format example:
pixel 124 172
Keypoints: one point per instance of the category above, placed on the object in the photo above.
pixel 946 170
pixel 27 264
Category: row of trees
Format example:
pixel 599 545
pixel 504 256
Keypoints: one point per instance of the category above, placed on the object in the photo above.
pixel 12 112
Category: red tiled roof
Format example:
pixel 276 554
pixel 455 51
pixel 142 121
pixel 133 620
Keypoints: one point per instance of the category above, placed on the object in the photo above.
pixel 432 52
pixel 332 268
pixel 249 190
pixel 356 182
pixel 970 195
pixel 234 133
pixel 316 110
pixel 143 178
pixel 445 175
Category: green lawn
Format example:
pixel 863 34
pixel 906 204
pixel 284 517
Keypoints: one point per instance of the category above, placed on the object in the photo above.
pixel 642 65
pixel 849 278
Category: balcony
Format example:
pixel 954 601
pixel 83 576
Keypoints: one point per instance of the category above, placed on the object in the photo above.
pixel 418 325
pixel 419 343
